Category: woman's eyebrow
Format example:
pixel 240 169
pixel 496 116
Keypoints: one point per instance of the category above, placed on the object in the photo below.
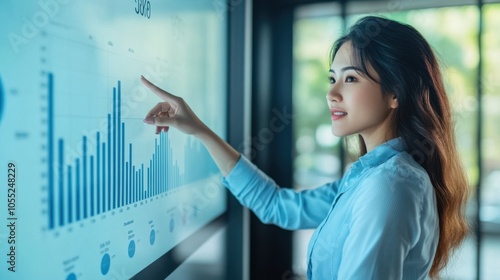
pixel 357 69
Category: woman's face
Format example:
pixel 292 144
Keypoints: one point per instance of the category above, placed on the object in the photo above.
pixel 356 102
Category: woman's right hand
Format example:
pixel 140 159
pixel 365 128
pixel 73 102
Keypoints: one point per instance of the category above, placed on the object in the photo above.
pixel 174 111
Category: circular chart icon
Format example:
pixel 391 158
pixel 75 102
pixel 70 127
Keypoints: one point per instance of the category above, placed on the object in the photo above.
pixel 71 276
pixel 105 264
pixel 131 249
pixel 152 237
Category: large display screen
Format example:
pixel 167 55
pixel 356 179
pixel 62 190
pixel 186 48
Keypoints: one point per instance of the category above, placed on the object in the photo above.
pixel 87 190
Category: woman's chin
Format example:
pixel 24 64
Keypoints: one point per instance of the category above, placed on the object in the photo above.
pixel 339 133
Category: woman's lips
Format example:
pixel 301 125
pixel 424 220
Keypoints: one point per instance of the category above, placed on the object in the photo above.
pixel 337 114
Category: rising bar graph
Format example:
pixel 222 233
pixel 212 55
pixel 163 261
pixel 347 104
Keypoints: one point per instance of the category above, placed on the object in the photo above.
pixel 109 179
pixel 96 190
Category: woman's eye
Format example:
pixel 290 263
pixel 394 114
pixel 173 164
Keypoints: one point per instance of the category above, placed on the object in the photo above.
pixel 350 79
pixel 332 80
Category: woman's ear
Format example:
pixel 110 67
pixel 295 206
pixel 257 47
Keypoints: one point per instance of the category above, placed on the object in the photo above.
pixel 394 102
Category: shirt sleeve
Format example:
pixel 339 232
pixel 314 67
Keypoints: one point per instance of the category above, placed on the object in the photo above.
pixel 384 227
pixel 283 207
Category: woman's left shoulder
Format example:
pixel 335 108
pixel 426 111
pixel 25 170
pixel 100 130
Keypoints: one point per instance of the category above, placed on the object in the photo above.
pixel 404 164
pixel 401 173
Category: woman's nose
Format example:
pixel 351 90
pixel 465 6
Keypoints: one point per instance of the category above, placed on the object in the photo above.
pixel 333 94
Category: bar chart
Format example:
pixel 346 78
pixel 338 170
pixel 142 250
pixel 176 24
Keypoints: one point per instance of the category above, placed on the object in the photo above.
pixel 98 193
pixel 97 183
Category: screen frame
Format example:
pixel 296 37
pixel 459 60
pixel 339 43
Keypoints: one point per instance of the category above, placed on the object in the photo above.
pixel 236 219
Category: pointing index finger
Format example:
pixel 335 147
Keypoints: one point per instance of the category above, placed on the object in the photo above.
pixel 158 91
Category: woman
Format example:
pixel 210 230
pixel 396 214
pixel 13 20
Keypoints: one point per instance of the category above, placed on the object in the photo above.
pixel 399 211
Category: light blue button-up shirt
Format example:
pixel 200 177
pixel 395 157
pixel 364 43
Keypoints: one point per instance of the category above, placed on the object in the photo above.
pixel 379 221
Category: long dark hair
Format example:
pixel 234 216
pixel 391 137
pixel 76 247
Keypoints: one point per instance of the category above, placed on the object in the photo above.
pixel 408 69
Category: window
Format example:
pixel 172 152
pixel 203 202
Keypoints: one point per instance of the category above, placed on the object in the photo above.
pixel 317 151
pixel 453 33
pixel 490 193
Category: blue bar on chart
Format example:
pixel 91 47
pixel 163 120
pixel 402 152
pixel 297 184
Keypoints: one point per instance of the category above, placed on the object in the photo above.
pixel 61 181
pixel 50 145
pixel 70 197
pixel 109 163
pixel 105 177
pixel 84 175
pixel 98 170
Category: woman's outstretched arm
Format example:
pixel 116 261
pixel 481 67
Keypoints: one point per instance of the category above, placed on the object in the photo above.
pixel 175 112
pixel 280 206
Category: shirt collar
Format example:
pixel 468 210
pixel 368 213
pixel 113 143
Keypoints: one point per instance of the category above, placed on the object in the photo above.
pixel 382 152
